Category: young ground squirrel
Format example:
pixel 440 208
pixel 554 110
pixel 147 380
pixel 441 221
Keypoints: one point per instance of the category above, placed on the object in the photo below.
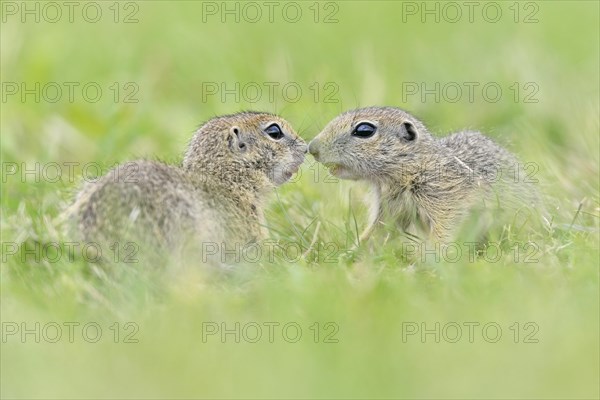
pixel 216 195
pixel 421 182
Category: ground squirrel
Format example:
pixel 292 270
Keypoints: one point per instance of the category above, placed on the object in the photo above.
pixel 419 181
pixel 215 195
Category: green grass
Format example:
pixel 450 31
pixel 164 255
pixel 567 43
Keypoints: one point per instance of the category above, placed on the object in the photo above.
pixel 373 295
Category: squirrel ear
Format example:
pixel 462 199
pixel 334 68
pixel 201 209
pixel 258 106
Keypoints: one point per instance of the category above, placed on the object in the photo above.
pixel 409 132
pixel 235 140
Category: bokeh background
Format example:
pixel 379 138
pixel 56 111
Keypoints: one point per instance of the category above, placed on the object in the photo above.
pixel 164 67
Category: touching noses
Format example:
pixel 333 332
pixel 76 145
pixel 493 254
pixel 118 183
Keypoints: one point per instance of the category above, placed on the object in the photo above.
pixel 313 148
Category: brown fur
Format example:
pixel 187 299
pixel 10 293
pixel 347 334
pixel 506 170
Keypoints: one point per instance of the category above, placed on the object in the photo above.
pixel 419 181
pixel 216 195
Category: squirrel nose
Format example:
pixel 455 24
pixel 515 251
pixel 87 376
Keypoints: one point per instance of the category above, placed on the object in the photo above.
pixel 313 148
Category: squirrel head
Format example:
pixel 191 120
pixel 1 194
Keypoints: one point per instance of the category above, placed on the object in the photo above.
pixel 370 143
pixel 253 149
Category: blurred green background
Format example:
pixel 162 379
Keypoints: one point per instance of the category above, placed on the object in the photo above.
pixel 165 67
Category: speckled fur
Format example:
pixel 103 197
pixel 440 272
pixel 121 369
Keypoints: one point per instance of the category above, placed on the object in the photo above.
pixel 427 184
pixel 216 195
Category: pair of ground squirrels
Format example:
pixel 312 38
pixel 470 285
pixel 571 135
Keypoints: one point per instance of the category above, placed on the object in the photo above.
pixel 431 185
pixel 216 195
pixel 423 185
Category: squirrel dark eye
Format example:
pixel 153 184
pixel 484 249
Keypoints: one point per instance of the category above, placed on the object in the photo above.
pixel 364 130
pixel 274 132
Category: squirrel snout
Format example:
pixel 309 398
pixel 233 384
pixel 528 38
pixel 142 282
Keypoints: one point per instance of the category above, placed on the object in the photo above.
pixel 313 148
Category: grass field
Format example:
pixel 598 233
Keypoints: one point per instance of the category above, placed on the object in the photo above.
pixel 523 323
